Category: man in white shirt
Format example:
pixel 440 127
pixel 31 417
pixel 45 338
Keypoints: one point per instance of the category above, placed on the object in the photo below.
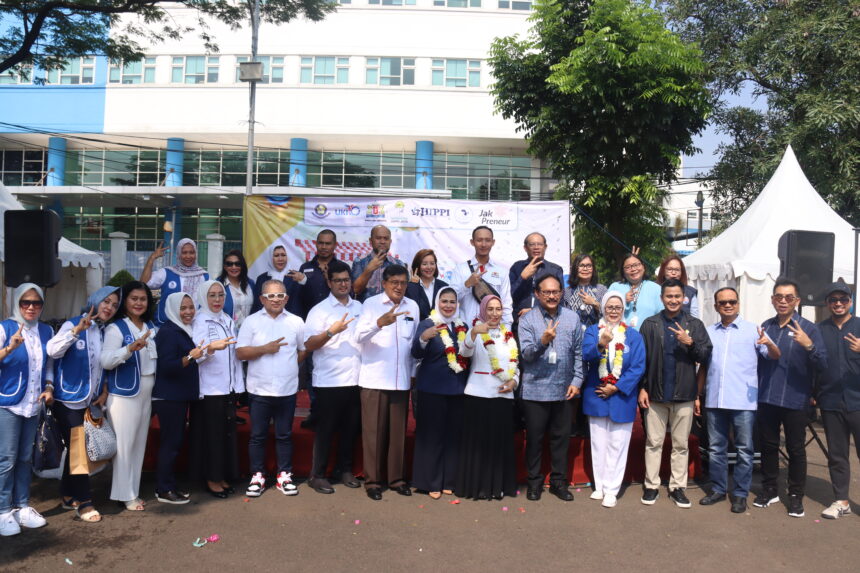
pixel 479 268
pixel 385 329
pixel 329 334
pixel 272 342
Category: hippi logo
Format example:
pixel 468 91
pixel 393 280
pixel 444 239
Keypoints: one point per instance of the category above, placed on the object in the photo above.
pixel 348 210
pixel 321 211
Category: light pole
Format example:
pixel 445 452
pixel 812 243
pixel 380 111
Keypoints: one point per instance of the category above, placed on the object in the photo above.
pixel 700 201
pixel 252 72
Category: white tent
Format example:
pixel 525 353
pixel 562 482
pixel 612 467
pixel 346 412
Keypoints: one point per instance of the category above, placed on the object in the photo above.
pixel 745 255
pixel 81 274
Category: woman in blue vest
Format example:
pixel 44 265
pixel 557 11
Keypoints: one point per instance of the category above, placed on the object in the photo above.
pixel 177 384
pixel 129 357
pixel 185 276
pixel 240 289
pixel 24 364
pixel 76 350
pixel 214 454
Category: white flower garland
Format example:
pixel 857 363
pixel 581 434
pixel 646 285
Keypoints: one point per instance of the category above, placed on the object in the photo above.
pixel 618 338
pixel 456 362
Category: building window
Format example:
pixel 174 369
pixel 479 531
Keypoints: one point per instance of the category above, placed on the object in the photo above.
pixel 22 167
pixel 515 5
pixel 217 167
pixel 483 177
pixel 324 70
pixel 273 68
pixel 142 71
pixel 392 2
pixel 76 71
pixel 361 170
pixel 458 3
pixel 457 73
pixel 22 75
pixel 390 71
pixel 115 167
pixel 194 70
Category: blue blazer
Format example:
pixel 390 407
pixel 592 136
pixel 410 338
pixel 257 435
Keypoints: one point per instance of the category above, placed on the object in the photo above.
pixel 416 292
pixel 621 406
pixel 172 381
pixel 433 375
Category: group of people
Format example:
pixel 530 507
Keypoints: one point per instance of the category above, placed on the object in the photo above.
pixel 493 346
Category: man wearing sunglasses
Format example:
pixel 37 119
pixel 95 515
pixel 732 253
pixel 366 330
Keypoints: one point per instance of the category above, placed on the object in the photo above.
pixel 729 387
pixel 839 392
pixel 784 393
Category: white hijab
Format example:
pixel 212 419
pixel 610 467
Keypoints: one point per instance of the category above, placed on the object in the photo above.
pixel 16 299
pixel 171 309
pixel 603 302
pixel 203 301
pixel 273 272
pixel 442 317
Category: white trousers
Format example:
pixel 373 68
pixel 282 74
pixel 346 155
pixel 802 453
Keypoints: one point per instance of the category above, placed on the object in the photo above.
pixel 609 444
pixel 130 420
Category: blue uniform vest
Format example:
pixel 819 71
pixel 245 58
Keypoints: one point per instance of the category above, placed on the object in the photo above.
pixel 228 300
pixel 15 368
pixel 72 370
pixel 124 380
pixel 172 283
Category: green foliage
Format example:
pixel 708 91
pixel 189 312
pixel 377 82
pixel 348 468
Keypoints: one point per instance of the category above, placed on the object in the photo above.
pixel 610 99
pixel 46 34
pixel 120 278
pixel 801 57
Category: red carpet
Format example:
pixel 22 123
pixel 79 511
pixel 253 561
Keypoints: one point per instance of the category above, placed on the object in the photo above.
pixel 303 440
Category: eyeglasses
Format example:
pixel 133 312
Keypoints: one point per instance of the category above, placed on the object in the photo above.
pixel 232 264
pixel 673 269
pixel 395 283
pixel 215 295
pixel 28 303
pixel 633 267
pixel 340 281
pixel 270 296
pixel 732 302
pixel 586 266
pixel 789 298
pixel 535 245
pixel 550 292
pixel 839 300
pixel 614 308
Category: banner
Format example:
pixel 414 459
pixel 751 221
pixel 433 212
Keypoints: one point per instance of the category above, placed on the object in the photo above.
pixel 444 225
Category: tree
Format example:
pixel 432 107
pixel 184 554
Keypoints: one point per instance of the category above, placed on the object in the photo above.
pixel 610 99
pixel 801 58
pixel 45 34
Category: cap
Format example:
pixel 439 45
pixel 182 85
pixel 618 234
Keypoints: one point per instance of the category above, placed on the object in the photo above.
pixel 838 286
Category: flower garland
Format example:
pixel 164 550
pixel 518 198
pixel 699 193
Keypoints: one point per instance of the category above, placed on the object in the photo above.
pixel 502 374
pixel 618 338
pixel 456 362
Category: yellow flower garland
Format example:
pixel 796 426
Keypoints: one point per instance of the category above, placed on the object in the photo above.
pixel 455 361
pixel 502 374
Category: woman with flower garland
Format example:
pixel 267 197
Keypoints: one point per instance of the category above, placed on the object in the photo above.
pixel 616 357
pixel 440 380
pixel 487 468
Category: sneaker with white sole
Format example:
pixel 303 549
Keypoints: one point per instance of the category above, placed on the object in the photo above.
pixel 766 498
pixel 836 510
pixel 609 501
pixel 596 494
pixel 795 505
pixel 286 485
pixel 257 485
pixel 29 518
pixel 8 525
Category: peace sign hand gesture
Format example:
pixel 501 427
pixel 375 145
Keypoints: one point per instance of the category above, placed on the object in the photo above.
pixel 85 322
pixel 340 325
pixel 853 343
pixel 390 317
pixel 549 334
pixel 159 251
pixel 474 278
pixel 140 342
pixel 197 352
pixel 682 335
pixel 531 268
pixel 800 337
pixel 762 338
pixel 272 347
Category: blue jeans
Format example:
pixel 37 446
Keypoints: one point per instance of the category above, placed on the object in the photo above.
pixel 264 409
pixel 17 435
pixel 719 422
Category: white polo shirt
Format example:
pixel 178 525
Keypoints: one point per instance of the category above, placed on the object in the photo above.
pixel 273 374
pixel 336 364
pixel 386 360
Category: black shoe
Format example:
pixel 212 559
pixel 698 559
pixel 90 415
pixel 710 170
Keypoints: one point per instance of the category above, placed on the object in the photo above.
pixel 766 498
pixel 349 480
pixel 171 497
pixel 649 496
pixel 795 505
pixel 534 493
pixel 309 422
pixel 739 505
pixel 561 492
pixel 403 489
pixel 219 494
pixel 677 495
pixel 712 499
pixel 320 485
pixel 374 493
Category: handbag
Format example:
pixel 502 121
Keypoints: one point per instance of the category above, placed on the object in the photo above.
pixel 482 288
pixel 100 437
pixel 49 445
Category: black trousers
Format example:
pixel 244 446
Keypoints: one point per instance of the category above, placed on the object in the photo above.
pixel 171 421
pixel 338 411
pixel 541 417
pixel 438 433
pixel 214 455
pixel 76 486
pixel 839 426
pixel 793 422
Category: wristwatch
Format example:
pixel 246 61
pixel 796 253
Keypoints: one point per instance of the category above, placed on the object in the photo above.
pixel 811 347
pixel 328 333
pixel 189 358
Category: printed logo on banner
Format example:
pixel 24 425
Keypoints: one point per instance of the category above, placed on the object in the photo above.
pixel 321 211
pixel 348 210
pixel 463 215
pixel 397 213
pixel 498 216
pixel 431 213
pixel 375 213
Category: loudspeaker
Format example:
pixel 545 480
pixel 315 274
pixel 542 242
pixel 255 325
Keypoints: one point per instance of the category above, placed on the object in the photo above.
pixel 31 245
pixel 806 257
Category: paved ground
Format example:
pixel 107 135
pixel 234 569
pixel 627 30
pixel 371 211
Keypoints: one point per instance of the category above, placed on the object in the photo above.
pixel 348 532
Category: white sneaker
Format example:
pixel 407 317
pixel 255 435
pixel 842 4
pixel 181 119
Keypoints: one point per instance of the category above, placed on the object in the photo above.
pixel 596 494
pixel 257 485
pixel 836 510
pixel 286 485
pixel 609 501
pixel 30 518
pixel 8 524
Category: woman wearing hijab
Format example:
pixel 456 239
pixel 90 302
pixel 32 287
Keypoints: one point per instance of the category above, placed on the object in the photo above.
pixel 214 456
pixel 487 467
pixel 277 269
pixel 76 350
pixel 185 276
pixel 240 289
pixel 441 378
pixel 641 297
pixel 616 358
pixel 129 357
pixel 176 384
pixel 24 364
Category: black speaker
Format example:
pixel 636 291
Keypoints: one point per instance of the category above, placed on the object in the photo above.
pixel 31 245
pixel 806 257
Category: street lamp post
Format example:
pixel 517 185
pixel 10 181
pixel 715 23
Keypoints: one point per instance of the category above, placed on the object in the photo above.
pixel 252 72
pixel 700 201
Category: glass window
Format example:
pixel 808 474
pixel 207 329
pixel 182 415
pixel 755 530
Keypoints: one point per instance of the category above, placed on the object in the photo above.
pixel 458 3
pixel 390 71
pixel 22 167
pixel 495 177
pixel 456 73
pixel 393 2
pixel 194 69
pixel 75 71
pixel 22 75
pixel 273 68
pixel 142 71
pixel 324 70
pixel 515 4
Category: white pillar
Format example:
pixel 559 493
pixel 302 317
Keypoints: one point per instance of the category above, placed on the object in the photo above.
pixel 118 248
pixel 215 253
